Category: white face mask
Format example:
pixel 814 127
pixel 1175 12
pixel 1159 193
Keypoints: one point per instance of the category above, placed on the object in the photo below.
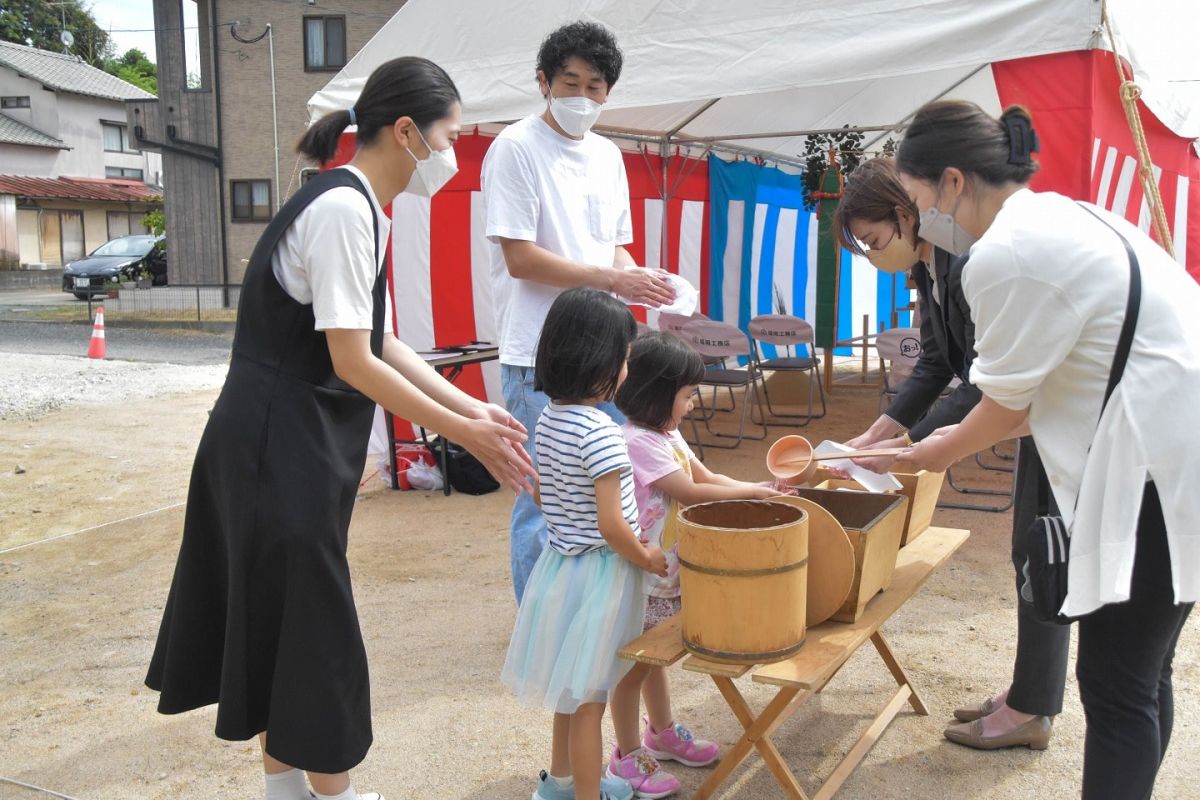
pixel 897 256
pixel 940 229
pixel 575 115
pixel 432 173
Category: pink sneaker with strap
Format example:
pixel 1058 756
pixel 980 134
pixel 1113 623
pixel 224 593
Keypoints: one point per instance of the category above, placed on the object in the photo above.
pixel 648 779
pixel 676 743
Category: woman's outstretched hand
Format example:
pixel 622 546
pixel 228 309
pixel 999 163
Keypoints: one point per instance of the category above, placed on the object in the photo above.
pixel 498 414
pixel 496 439
pixel 880 464
pixel 931 453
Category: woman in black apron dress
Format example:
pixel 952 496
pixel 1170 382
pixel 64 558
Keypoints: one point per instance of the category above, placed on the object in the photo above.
pixel 260 618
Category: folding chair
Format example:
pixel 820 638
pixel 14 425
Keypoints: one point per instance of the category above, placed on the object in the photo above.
pixel 721 340
pixel 791 333
pixel 995 508
pixel 899 349
pixel 674 323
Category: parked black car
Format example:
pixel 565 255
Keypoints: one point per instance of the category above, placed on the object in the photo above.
pixel 122 258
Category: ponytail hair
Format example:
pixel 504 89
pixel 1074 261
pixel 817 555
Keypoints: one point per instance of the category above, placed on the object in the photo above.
pixel 956 133
pixel 409 86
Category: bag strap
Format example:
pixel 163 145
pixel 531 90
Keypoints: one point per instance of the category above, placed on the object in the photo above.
pixel 1132 308
pixel 1120 357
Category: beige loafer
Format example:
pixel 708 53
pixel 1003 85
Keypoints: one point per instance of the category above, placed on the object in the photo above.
pixel 1034 734
pixel 977 711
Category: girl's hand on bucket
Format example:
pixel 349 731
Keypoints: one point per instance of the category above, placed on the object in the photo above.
pixel 656 561
pixel 767 490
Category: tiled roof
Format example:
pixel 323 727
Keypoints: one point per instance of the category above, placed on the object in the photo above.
pixel 66 73
pixel 14 132
pixel 111 189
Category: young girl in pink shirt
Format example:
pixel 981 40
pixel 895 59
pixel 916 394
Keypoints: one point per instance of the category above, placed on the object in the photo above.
pixel 664 373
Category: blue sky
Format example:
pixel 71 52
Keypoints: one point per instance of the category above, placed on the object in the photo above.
pixel 131 23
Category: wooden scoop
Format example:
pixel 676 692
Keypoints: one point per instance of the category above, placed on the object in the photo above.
pixel 792 460
pixel 801 462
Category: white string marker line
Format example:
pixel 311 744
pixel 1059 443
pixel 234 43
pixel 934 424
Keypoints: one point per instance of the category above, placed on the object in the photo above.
pixel 36 788
pixel 93 528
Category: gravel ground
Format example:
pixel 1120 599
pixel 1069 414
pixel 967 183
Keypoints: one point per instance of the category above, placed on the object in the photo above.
pixel 79 613
pixel 175 346
pixel 32 386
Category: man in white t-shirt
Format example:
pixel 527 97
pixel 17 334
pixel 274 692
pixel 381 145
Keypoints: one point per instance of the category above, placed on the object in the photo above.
pixel 557 205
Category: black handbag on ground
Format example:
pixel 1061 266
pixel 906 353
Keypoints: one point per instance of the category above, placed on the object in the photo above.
pixel 1049 542
pixel 465 472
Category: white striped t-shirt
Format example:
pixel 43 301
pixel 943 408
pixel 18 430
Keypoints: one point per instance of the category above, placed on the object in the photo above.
pixel 575 445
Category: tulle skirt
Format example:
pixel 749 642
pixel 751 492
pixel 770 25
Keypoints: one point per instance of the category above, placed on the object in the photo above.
pixel 576 613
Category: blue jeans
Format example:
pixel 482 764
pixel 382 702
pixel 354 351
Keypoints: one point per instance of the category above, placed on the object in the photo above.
pixel 527 535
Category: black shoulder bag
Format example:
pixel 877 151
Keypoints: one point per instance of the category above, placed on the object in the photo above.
pixel 1049 539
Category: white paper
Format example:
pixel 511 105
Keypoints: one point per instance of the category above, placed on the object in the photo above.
pixel 871 481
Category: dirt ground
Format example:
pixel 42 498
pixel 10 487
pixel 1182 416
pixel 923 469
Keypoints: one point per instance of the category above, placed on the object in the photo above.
pixel 78 616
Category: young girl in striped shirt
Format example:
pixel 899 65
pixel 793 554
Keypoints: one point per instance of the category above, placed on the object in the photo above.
pixel 584 598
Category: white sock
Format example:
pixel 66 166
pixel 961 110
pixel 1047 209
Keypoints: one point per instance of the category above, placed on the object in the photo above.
pixel 563 783
pixel 288 785
pixel 349 794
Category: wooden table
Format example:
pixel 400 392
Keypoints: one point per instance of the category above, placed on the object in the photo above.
pixel 827 647
pixel 449 362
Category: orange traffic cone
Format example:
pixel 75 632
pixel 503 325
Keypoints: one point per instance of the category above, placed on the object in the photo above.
pixel 96 347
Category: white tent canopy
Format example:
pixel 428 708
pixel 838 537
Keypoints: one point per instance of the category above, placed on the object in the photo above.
pixel 758 74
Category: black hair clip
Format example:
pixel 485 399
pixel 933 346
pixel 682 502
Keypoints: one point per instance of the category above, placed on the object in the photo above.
pixel 1022 139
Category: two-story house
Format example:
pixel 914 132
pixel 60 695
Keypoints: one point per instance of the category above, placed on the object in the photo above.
pixel 71 178
pixel 227 118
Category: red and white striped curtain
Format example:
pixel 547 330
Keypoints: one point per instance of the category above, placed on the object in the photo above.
pixel 1088 152
pixel 441 287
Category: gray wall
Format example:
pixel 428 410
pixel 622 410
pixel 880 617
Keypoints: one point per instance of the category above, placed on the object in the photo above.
pixel 75 119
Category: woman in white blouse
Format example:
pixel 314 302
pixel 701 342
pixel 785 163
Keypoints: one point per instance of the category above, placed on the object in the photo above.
pixel 1048 283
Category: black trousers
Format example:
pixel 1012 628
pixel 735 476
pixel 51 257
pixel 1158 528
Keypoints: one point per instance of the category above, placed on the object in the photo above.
pixel 1040 667
pixel 1124 671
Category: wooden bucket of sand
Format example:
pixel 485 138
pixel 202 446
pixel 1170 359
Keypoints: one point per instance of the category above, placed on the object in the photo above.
pixel 744 580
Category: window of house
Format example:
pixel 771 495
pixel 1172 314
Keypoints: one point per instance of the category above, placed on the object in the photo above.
pixel 124 223
pixel 14 102
pixel 251 200
pixel 124 172
pixel 324 43
pixel 116 138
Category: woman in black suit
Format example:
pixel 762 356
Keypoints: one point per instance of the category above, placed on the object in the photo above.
pixel 876 211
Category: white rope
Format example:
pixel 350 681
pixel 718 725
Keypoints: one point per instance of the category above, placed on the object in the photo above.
pixel 93 528
pixel 50 792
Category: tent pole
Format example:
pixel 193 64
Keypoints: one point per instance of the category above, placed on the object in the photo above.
pixel 733 137
pixel 671 134
pixel 664 246
pixel 901 124
pixel 766 155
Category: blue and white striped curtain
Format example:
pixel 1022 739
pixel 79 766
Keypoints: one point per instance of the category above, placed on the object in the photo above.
pixel 764 255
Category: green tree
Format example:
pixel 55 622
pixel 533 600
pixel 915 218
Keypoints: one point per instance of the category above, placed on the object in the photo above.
pixel 135 68
pixel 39 24
pixel 156 221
